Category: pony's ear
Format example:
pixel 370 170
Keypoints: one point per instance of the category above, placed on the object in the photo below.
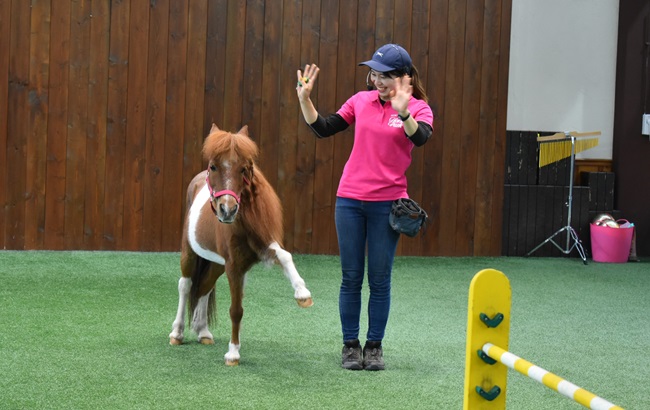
pixel 214 128
pixel 244 130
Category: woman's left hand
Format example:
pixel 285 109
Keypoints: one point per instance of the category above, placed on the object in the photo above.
pixel 401 95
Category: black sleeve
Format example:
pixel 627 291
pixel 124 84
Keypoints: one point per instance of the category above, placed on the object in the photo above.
pixel 422 134
pixel 325 127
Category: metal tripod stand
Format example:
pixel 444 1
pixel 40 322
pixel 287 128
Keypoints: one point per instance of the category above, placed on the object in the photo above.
pixel 572 240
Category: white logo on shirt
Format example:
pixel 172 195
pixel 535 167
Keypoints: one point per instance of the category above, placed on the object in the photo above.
pixel 395 122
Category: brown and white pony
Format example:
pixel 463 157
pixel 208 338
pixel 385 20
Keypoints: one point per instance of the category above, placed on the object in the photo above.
pixel 233 220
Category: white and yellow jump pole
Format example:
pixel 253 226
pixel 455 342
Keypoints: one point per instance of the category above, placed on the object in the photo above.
pixel 488 328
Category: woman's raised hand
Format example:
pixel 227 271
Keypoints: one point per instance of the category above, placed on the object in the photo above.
pixel 401 95
pixel 306 81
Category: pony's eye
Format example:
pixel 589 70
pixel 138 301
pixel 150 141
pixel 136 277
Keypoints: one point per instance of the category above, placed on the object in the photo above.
pixel 213 167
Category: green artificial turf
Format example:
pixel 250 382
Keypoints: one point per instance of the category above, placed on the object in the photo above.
pixel 89 330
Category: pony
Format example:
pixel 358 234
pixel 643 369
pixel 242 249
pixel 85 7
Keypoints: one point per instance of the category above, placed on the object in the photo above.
pixel 233 221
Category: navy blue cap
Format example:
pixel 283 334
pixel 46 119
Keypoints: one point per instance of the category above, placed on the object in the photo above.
pixel 390 57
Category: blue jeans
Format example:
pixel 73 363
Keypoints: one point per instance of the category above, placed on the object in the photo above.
pixel 361 223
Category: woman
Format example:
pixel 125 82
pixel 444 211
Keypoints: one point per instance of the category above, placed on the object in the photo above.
pixel 389 121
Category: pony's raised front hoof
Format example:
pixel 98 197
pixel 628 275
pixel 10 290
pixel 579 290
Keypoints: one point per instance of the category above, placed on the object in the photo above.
pixel 305 303
pixel 175 342
pixel 234 362
pixel 206 341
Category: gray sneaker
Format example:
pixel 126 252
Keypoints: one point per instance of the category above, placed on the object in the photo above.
pixel 351 356
pixel 373 356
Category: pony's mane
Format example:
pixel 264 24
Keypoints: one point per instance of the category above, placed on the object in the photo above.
pixel 221 142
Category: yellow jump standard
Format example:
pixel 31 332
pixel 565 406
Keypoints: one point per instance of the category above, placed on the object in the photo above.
pixel 488 319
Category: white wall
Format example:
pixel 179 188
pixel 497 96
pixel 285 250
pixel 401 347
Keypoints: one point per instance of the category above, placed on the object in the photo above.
pixel 563 68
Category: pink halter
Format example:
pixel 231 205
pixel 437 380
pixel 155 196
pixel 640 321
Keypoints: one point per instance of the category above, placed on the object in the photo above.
pixel 215 195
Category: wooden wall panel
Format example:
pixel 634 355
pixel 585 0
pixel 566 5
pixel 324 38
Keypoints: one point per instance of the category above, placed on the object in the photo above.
pixel 57 130
pixel 305 143
pixel 270 91
pixel 154 148
pixel 172 211
pixel 233 65
pixel 5 18
pixel 453 117
pixel 435 75
pixel 215 76
pixel 469 129
pixel 116 121
pixel 104 107
pixel 253 73
pixel 490 149
pixel 134 158
pixel 37 125
pixel 97 125
pixel 77 124
pixel 17 129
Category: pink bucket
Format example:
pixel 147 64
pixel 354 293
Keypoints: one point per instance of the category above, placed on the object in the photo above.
pixel 611 244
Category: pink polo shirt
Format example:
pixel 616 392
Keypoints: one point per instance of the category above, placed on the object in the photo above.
pixel 376 169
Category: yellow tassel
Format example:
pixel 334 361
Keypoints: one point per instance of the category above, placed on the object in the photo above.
pixel 553 151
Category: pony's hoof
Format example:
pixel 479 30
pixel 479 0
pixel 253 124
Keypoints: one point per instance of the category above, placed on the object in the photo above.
pixel 206 341
pixel 175 342
pixel 305 303
pixel 234 362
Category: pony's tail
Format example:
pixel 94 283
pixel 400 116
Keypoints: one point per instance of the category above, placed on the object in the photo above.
pixel 201 270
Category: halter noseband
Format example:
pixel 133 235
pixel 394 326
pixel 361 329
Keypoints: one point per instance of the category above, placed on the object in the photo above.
pixel 214 195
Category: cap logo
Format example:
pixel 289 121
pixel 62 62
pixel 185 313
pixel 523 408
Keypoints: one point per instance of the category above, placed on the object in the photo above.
pixel 380 54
